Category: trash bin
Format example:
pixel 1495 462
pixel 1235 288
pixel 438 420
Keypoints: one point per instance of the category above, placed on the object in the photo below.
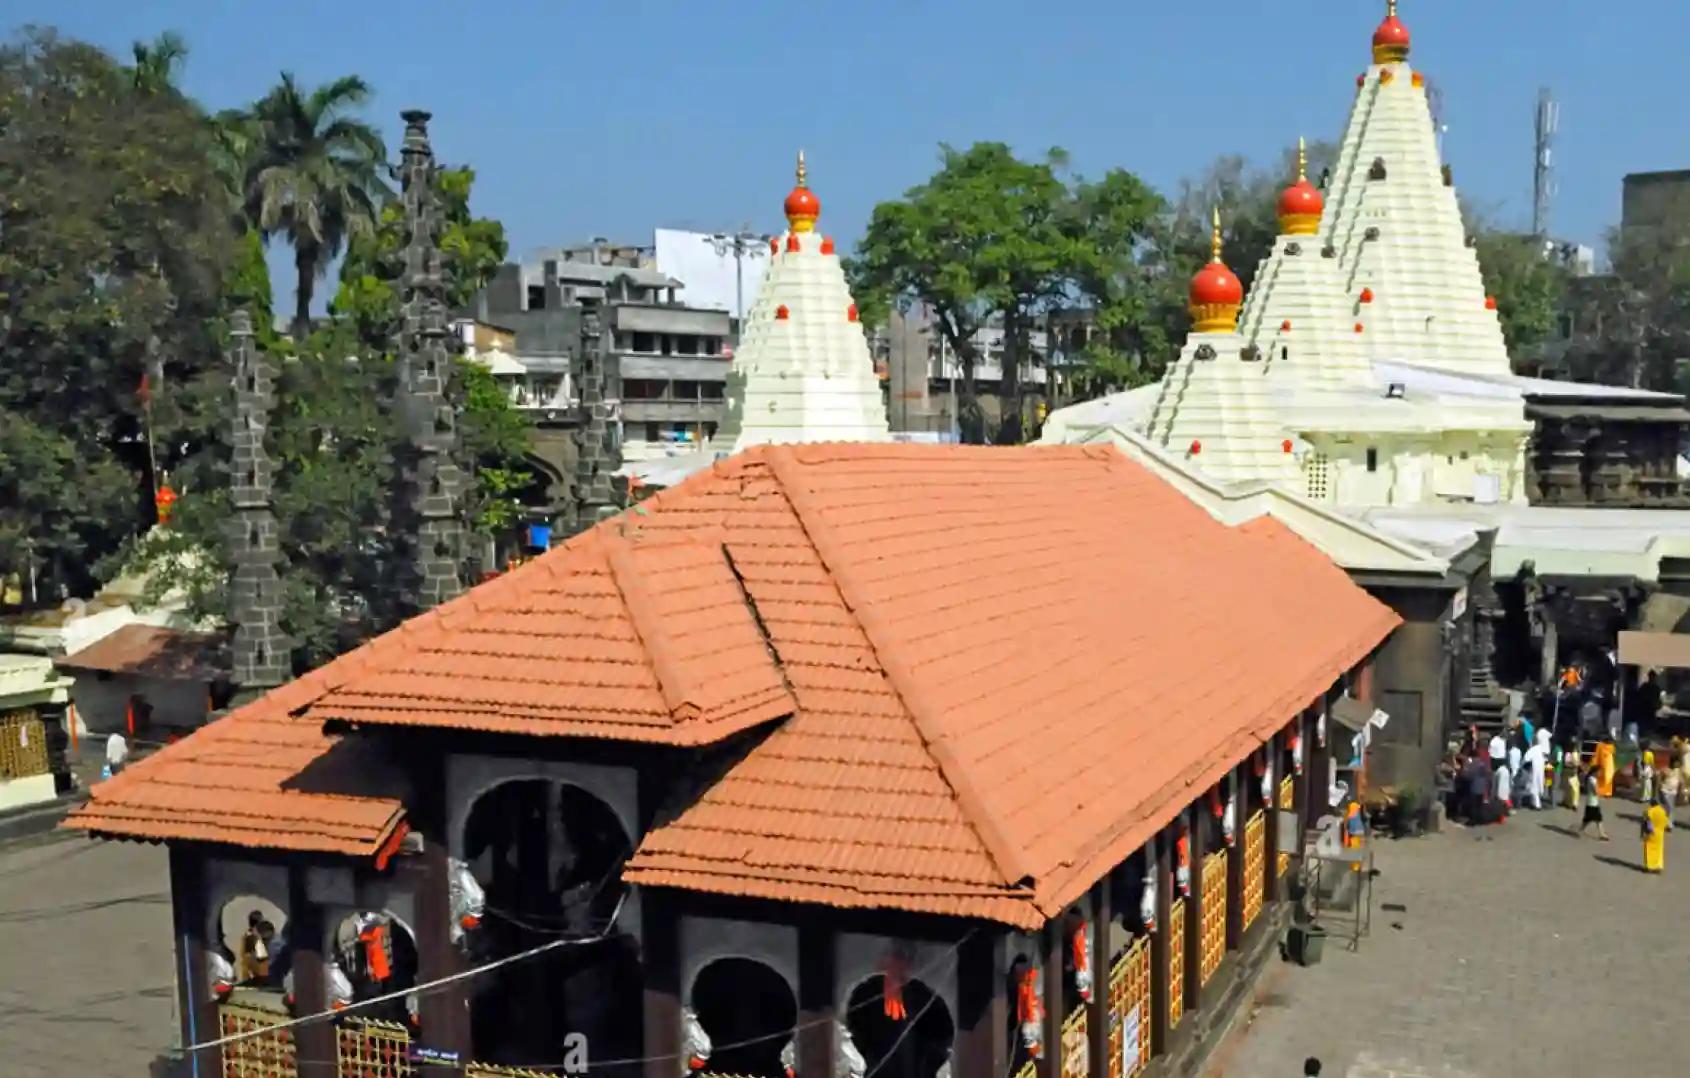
pixel 1306 943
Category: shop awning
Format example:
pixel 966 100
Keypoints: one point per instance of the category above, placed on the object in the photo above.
pixel 1655 649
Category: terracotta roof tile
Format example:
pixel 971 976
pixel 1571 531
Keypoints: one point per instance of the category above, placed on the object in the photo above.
pixel 1004 669
pixel 149 651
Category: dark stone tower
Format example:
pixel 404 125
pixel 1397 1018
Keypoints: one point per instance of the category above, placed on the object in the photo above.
pixel 259 650
pixel 432 527
pixel 598 442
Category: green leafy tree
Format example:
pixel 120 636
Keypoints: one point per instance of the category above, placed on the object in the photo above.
pixel 1639 316
pixel 158 62
pixel 1530 289
pixel 115 240
pixel 312 174
pixel 1123 275
pixel 986 235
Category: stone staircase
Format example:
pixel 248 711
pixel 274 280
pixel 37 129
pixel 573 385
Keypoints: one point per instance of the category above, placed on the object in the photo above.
pixel 1484 704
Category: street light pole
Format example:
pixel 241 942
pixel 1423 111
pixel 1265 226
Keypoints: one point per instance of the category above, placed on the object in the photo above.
pixel 740 243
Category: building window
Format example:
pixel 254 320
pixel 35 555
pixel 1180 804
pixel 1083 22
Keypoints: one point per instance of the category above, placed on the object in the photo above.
pixel 711 391
pixel 645 342
pixel 711 346
pixel 686 391
pixel 654 432
pixel 536 297
pixel 686 345
pixel 642 389
pixel 1372 459
pixel 1316 477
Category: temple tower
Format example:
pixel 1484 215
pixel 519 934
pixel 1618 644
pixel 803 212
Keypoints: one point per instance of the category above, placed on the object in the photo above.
pixel 802 372
pixel 432 527
pixel 259 649
pixel 598 451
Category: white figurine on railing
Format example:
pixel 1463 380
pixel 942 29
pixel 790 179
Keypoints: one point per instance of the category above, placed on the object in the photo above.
pixel 1147 902
pixel 468 900
pixel 222 973
pixel 847 1061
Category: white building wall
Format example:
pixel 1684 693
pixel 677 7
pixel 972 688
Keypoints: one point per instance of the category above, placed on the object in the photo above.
pixel 708 276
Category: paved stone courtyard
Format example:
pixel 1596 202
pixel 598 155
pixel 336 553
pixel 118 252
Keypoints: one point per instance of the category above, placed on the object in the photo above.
pixel 1522 951
pixel 85 958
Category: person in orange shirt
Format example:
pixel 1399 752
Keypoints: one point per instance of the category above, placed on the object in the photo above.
pixel 1605 766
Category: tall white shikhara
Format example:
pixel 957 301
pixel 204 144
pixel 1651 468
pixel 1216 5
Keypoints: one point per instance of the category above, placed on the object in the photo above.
pixel 802 372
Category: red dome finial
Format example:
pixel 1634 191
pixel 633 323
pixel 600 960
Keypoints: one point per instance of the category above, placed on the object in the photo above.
pixel 1216 293
pixel 1391 40
pixel 802 206
pixel 1301 204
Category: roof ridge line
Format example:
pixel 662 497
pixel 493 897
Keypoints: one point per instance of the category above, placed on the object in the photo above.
pixel 977 813
pixel 680 693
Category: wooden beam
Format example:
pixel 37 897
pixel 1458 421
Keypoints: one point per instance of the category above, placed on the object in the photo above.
pixel 818 947
pixel 1050 1063
pixel 1161 850
pixel 443 1012
pixel 983 1038
pixel 192 919
pixel 1270 817
pixel 1235 857
pixel 660 960
pixel 315 1040
pixel 1097 1012
pixel 1201 822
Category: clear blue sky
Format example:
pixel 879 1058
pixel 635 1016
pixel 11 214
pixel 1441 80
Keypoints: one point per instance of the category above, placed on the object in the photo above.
pixel 610 118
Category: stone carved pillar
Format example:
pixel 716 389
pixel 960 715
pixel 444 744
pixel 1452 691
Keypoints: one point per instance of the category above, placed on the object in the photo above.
pixel 432 525
pixel 598 438
pixel 259 649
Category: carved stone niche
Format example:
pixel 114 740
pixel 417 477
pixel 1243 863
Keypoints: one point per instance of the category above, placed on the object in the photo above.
pixel 1250 354
pixel 1329 251
pixel 1377 172
pixel 1371 234
pixel 1293 249
pixel 1204 351
pixel 1449 176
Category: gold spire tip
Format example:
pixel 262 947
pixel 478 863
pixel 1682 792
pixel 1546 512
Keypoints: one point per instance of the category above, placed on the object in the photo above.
pixel 1390 9
pixel 1302 159
pixel 1215 237
pixel 803 173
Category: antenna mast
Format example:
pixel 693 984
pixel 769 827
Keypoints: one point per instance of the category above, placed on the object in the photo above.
pixel 1543 165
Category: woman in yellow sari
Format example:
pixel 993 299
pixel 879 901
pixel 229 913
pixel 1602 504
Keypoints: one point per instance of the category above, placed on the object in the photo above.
pixel 1655 838
pixel 1605 768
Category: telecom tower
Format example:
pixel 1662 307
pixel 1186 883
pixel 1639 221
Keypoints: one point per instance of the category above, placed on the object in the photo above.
pixel 1543 184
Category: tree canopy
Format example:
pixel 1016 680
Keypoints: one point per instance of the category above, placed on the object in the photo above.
pixel 1530 289
pixel 115 243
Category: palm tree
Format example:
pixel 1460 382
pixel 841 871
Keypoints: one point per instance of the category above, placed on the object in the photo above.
pixel 314 175
pixel 157 63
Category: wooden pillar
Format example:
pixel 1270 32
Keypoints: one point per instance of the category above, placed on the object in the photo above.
pixel 982 1041
pixel 192 920
pixel 1097 1012
pixel 660 961
pixel 314 1040
pixel 444 1011
pixel 1050 1063
pixel 818 1011
pixel 1270 817
pixel 1161 850
pixel 1201 822
pixel 1235 857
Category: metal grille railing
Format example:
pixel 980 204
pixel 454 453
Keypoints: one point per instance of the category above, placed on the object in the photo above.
pixel 493 1070
pixel 1129 1011
pixel 1029 1069
pixel 1212 929
pixel 1255 863
pixel 371 1048
pixel 267 1055
pixel 1176 962
pixel 23 744
pixel 1076 1051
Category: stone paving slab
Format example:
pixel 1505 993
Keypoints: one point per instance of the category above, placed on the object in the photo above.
pixel 1523 951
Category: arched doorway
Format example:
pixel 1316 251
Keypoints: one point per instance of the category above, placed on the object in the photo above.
pixel 378 954
pixel 549 856
pixel 251 934
pixel 913 1046
pixel 749 1012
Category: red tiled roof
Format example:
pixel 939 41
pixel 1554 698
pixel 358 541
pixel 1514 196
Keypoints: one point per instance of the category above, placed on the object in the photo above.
pixel 604 638
pixel 149 651
pixel 1005 668
pixel 1070 652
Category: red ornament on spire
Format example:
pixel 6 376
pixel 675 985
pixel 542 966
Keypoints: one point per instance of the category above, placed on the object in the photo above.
pixel 1367 295
pixel 782 314
pixel 792 243
pixel 1490 303
pixel 851 313
pixel 1285 326
pixel 827 245
pixel 1196 447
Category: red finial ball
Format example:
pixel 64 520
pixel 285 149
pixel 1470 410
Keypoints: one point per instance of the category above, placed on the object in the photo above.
pixel 1367 295
pixel 792 243
pixel 1196 448
pixel 1285 326
pixel 1286 445
pixel 1391 41
pixel 851 313
pixel 1490 303
pixel 827 245
pixel 782 314
pixel 803 203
